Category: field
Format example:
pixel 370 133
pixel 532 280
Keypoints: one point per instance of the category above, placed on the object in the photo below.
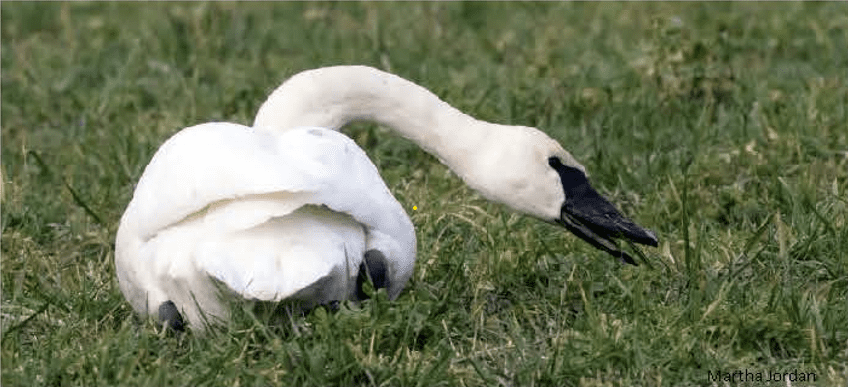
pixel 720 126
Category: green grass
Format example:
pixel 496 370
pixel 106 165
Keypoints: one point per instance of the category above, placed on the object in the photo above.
pixel 722 127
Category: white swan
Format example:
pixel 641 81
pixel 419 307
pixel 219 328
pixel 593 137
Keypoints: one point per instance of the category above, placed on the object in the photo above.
pixel 292 210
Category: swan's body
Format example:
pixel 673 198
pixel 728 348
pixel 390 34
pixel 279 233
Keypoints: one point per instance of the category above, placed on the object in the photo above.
pixel 278 212
pixel 272 217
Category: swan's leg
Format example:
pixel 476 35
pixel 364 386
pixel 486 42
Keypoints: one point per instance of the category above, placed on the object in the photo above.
pixel 332 305
pixel 373 267
pixel 170 317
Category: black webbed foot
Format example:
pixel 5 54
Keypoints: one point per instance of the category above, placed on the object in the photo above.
pixel 170 317
pixel 373 267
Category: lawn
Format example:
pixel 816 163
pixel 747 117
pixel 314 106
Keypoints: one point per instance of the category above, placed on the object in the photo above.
pixel 720 126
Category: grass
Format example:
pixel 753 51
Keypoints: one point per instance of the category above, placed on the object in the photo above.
pixel 720 126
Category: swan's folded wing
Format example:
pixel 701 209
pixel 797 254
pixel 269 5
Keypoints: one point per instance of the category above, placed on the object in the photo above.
pixel 213 162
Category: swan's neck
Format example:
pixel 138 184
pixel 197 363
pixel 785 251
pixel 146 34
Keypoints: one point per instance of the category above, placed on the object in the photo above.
pixel 335 96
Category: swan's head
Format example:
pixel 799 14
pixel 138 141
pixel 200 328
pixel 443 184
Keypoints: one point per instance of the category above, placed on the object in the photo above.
pixel 527 170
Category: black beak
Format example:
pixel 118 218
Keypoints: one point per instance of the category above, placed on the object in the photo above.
pixel 591 217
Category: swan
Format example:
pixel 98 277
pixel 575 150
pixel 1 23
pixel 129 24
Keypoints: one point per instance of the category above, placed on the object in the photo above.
pixel 291 211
